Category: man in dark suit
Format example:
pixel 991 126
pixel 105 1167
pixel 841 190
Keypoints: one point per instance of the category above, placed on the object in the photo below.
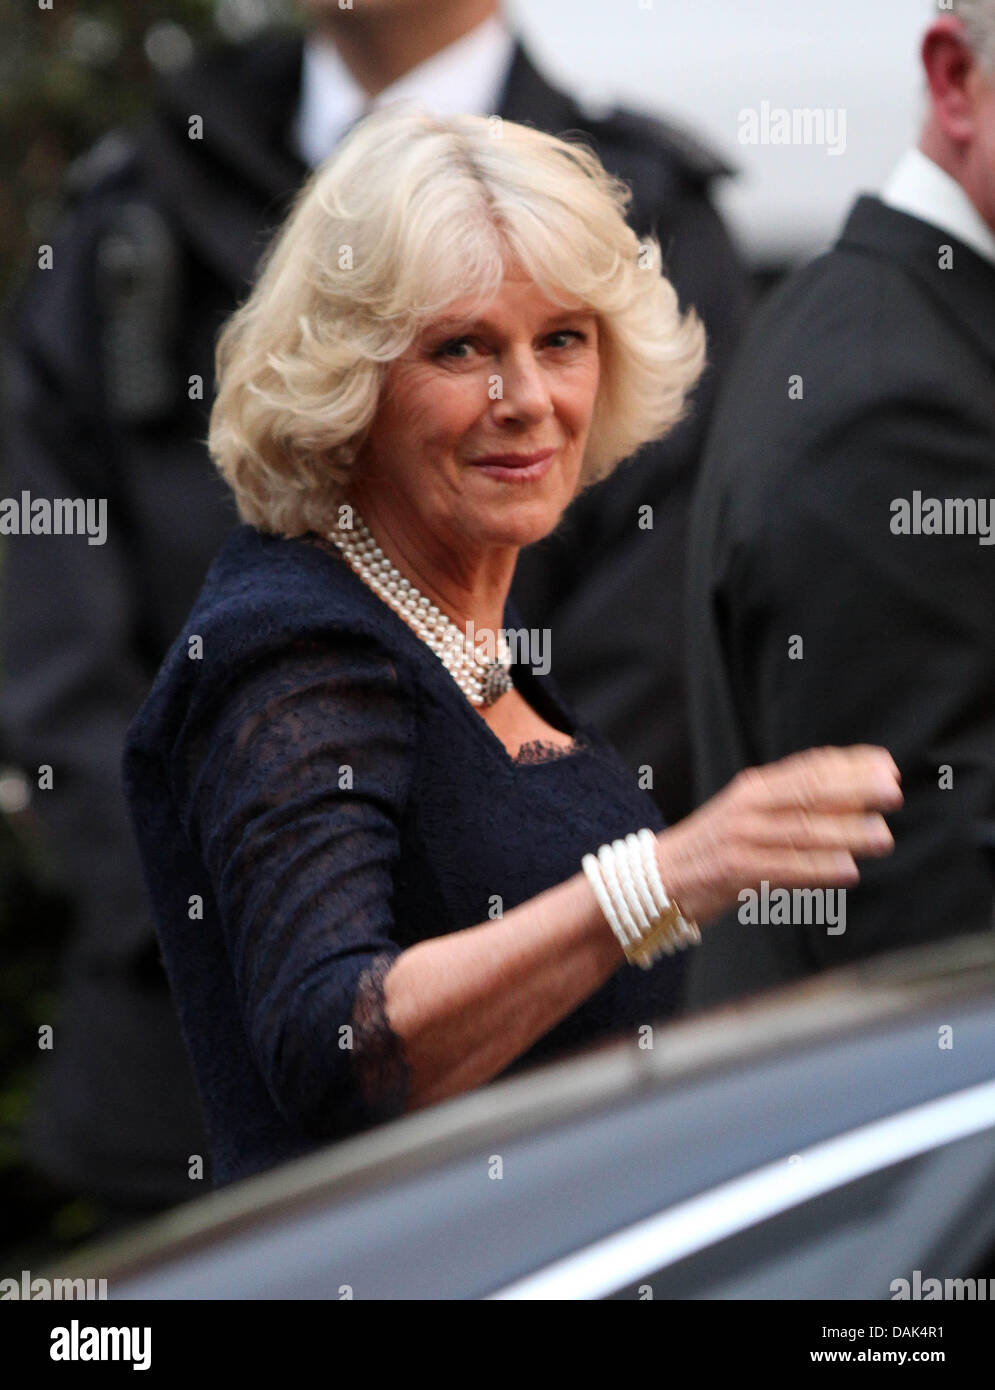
pixel 843 583
pixel 109 378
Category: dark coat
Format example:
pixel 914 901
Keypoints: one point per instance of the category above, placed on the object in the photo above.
pixel 109 376
pixel 792 537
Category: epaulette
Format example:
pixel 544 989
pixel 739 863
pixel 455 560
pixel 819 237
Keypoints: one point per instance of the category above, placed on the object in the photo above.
pixel 106 161
pixel 655 135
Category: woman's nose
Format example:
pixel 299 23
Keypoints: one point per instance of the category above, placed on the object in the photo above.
pixel 521 389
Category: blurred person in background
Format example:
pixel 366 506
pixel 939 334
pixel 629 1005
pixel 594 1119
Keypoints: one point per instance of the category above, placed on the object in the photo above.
pixel 844 576
pixel 109 377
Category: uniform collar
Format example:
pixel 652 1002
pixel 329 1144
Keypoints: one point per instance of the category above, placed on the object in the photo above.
pixel 231 189
pixel 467 75
pixel 921 188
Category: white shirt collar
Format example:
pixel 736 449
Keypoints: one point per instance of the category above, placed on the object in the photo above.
pixel 921 188
pixel 465 76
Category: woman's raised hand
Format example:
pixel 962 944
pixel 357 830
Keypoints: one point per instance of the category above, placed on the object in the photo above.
pixel 801 822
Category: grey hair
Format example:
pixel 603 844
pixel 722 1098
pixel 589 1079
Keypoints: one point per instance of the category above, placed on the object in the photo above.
pixel 978 19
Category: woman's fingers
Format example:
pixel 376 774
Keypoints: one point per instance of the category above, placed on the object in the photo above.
pixel 825 779
pixel 864 834
pixel 807 869
pixel 797 823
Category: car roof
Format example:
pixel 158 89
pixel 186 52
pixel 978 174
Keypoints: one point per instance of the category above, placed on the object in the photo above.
pixel 883 994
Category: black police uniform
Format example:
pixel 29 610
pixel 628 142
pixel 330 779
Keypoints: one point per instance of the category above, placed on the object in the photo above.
pixel 108 371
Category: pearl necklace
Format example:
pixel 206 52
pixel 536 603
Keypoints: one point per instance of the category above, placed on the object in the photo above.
pixel 482 682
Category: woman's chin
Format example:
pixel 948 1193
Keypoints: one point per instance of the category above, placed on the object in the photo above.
pixel 521 524
pixel 521 520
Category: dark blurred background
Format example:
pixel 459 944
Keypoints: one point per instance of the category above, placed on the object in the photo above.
pixel 67 75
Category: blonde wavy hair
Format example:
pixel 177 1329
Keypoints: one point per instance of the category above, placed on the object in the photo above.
pixel 410 213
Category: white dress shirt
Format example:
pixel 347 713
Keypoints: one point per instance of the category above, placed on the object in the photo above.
pixel 465 76
pixel 921 188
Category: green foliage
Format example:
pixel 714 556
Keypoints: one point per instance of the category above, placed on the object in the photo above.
pixel 72 72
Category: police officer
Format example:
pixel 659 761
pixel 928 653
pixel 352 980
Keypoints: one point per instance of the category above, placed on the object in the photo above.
pixel 108 371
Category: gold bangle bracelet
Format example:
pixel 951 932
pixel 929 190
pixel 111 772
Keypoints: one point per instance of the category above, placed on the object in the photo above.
pixel 672 931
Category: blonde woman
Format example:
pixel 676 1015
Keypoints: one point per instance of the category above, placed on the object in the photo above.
pixel 387 864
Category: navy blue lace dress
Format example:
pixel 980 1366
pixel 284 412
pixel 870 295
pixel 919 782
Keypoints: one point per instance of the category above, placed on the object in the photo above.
pixel 311 794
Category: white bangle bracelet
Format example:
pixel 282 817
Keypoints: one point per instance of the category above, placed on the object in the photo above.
pixel 609 872
pixel 592 869
pixel 630 855
pixel 647 842
pixel 625 878
pixel 629 875
pixel 640 877
pixel 687 928
pixel 625 896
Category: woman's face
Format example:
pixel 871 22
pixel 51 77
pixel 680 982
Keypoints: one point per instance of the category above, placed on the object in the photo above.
pixel 521 380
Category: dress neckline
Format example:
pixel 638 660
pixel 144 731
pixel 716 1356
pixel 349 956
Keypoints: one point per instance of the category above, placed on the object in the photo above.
pixel 537 752
pixel 540 750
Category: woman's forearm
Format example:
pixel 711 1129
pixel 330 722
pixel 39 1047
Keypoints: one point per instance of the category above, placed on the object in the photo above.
pixel 467 1004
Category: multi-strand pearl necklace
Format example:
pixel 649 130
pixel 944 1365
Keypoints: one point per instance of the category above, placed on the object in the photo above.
pixel 482 682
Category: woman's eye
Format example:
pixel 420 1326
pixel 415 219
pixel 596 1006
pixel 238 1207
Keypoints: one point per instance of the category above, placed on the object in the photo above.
pixel 570 333
pixel 447 348
pixel 452 348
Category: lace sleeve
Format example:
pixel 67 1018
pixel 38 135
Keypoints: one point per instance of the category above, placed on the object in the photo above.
pixel 291 787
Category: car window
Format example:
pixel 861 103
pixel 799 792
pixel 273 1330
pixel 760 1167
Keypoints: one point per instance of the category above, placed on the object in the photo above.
pixel 934 1214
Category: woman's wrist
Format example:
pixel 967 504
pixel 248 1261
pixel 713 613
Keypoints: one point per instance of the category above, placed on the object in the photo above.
pixel 689 873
